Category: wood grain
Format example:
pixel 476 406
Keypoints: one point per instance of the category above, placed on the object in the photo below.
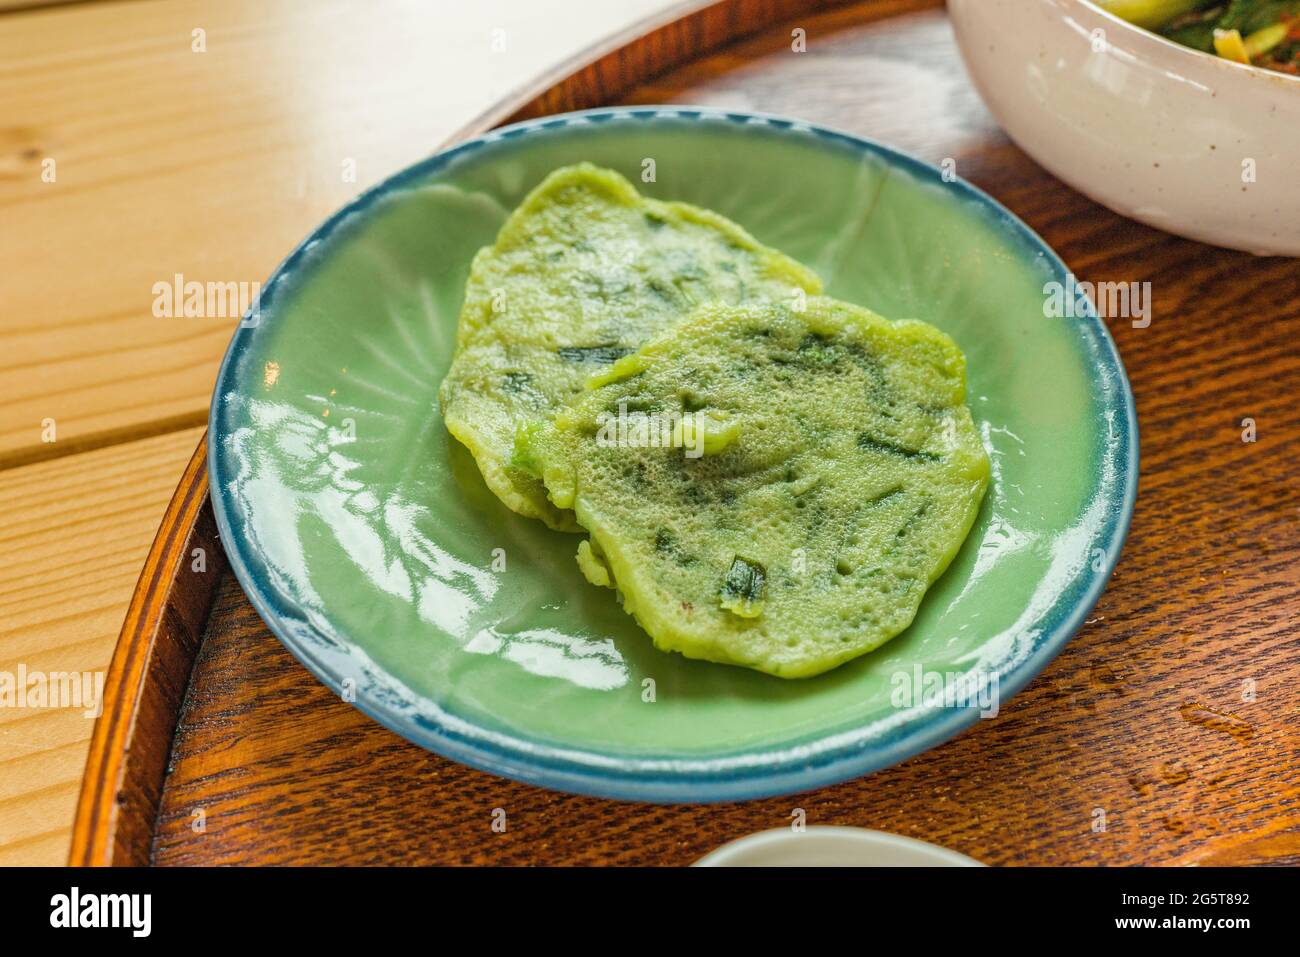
pixel 15 6
pixel 1174 715
pixel 285 773
pixel 73 533
pixel 212 166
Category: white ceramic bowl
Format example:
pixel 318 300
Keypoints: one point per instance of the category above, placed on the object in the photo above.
pixel 832 847
pixel 1156 131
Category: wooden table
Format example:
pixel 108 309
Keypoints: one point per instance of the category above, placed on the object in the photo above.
pixel 166 161
pixel 1145 717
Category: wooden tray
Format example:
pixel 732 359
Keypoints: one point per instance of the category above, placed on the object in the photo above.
pixel 1139 744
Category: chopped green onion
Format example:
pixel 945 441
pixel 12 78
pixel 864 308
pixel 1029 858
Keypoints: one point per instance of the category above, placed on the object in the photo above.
pixel 1150 13
pixel 744 589
pixel 1261 41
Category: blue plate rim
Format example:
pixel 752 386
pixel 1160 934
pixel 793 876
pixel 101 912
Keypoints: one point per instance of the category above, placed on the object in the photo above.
pixel 829 767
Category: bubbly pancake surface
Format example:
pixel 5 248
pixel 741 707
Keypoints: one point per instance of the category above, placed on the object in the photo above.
pixel 770 486
pixel 583 273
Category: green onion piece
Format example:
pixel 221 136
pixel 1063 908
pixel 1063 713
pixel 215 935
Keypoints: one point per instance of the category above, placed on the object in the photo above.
pixel 744 589
pixel 1150 14
pixel 1261 41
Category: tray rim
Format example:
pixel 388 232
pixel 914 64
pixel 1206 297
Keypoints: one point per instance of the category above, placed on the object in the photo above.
pixel 102 834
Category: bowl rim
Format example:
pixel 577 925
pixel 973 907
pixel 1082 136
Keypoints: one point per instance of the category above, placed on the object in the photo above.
pixel 740 851
pixel 1231 67
pixel 557 767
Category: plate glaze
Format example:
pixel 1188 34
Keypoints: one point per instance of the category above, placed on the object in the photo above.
pixel 367 541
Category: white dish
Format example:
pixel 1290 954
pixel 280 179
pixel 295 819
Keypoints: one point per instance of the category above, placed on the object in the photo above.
pixel 1154 130
pixel 832 847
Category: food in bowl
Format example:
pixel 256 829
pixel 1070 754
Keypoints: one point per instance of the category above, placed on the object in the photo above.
pixel 1262 33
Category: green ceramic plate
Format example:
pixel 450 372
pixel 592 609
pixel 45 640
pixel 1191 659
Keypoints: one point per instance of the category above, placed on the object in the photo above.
pixel 366 539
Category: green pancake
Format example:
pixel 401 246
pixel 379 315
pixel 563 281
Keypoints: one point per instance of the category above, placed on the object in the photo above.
pixel 583 273
pixel 767 486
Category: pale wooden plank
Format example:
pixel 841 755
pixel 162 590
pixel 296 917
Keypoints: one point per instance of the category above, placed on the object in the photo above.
pixel 43 847
pixel 9 6
pixel 211 165
pixel 73 535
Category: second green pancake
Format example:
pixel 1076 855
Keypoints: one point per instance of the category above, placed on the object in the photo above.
pixel 770 486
